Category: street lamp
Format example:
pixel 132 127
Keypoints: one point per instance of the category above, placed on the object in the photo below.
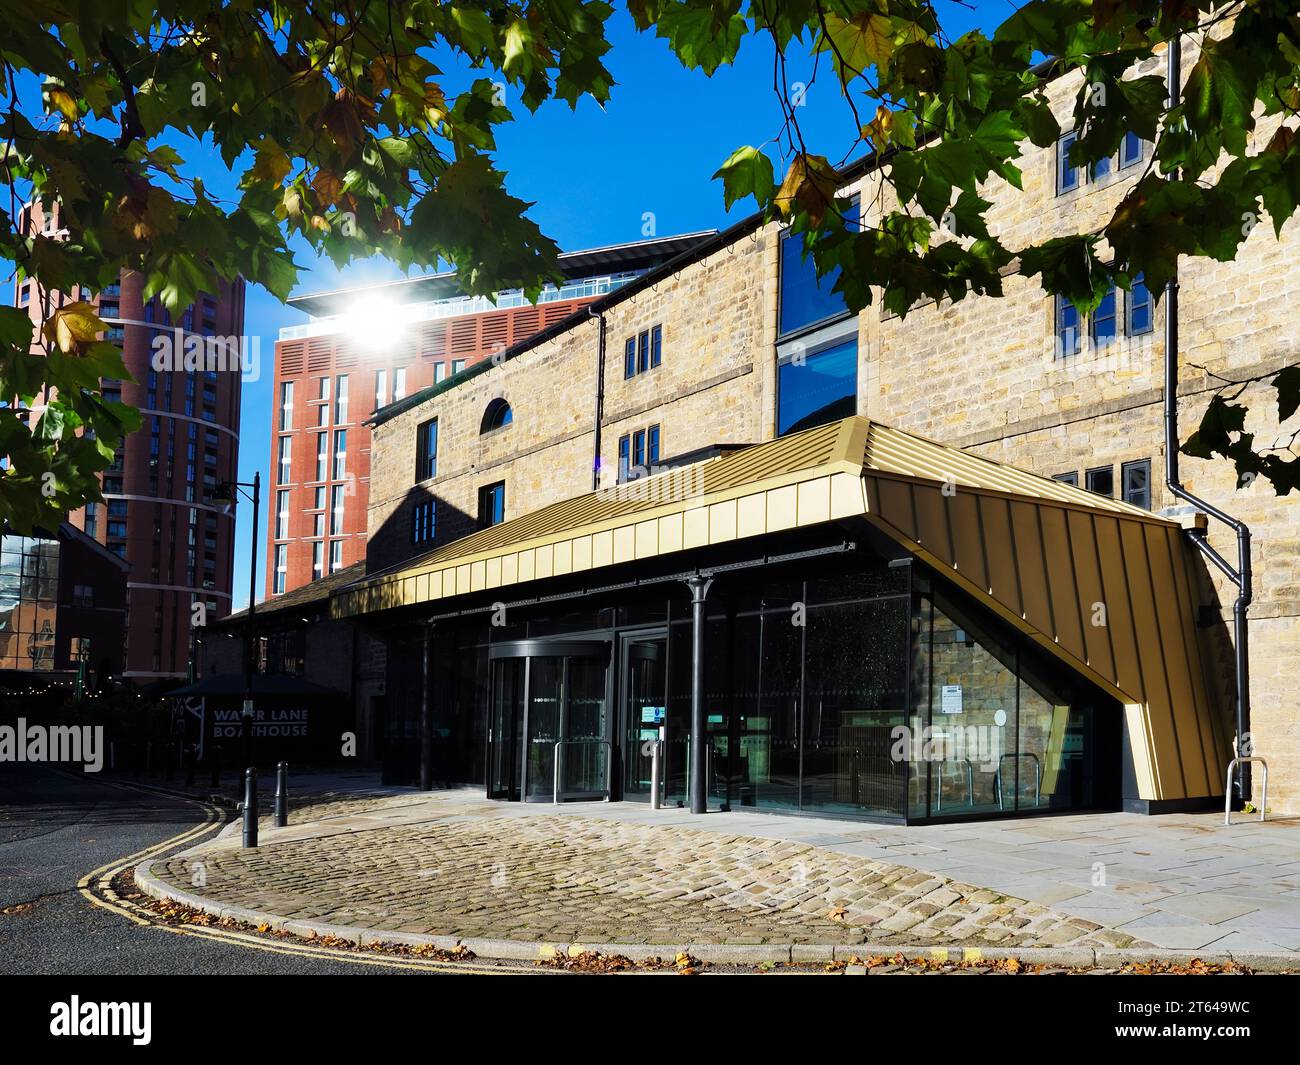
pixel 227 494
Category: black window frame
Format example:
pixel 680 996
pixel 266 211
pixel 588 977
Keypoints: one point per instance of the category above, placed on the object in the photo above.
pixel 485 493
pixel 1108 471
pixel 424 521
pixel 1070 477
pixel 426 464
pixel 1125 468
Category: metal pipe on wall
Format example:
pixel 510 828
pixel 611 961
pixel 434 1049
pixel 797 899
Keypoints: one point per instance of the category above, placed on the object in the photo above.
pixel 1241 576
pixel 600 393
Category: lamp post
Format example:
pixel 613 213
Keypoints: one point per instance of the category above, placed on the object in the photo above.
pixel 228 493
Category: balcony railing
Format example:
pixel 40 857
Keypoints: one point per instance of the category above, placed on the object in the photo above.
pixel 460 305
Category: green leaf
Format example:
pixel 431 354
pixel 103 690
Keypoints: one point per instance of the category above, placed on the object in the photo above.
pixel 747 172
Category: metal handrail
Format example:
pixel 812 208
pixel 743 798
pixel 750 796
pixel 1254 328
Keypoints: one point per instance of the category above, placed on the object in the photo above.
pixel 1227 788
pixel 1038 777
pixel 609 765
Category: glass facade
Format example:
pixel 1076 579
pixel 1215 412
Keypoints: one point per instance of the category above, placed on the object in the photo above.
pixel 841 686
pixel 29 588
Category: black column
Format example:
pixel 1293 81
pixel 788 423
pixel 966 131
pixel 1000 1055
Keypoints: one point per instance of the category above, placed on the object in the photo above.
pixel 699 587
pixel 426 708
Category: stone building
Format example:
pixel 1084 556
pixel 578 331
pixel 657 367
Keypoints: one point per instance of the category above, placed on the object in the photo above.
pixel 623 466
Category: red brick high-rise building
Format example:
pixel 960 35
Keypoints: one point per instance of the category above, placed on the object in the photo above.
pixel 157 513
pixel 365 348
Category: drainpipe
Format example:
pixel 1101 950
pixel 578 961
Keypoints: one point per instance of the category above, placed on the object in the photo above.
pixel 600 393
pixel 1241 575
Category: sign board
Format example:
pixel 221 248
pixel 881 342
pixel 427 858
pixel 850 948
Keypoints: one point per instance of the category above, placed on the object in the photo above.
pixel 950 700
pixel 652 715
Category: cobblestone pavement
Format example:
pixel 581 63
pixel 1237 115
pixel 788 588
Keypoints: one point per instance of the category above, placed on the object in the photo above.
pixel 461 867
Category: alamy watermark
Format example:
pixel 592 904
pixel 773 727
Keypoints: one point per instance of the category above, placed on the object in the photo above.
pixel 53 743
pixel 178 351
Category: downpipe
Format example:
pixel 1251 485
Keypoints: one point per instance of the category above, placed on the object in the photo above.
pixel 1241 575
pixel 600 393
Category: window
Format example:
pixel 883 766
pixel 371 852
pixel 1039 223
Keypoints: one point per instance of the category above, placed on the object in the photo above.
pixel 817 384
pixel 805 299
pixel 320 499
pixel 318 559
pixel 1136 480
pixel 492 504
pixel 286 405
pixel 336 509
pixel 439 372
pixel 286 459
pixel 1067 327
pixel 381 388
pixel 1140 318
pixel 638 454
pixel 340 453
pixel 399 383
pixel 318 524
pixel 1131 150
pixel 643 352
pixel 323 415
pixel 1101 480
pixel 422 522
pixel 336 555
pixel 1067 478
pixel 1103 320
pixel 457 365
pixel 83 595
pixel 341 400
pixel 282 515
pixel 426 450
pixel 497 416
pixel 322 456
pixel 1102 325
pixel 281 567
pixel 323 388
pixel 92 520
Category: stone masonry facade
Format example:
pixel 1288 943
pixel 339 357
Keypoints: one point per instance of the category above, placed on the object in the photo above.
pixel 982 374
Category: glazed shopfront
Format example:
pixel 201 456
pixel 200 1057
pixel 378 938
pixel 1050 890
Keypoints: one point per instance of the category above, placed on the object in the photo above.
pixel 834 662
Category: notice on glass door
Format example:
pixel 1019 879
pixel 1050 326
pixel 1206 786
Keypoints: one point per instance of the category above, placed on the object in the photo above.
pixel 950 699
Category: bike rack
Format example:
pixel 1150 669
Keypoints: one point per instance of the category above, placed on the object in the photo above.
pixel 1227 789
pixel 1038 777
pixel 609 767
pixel 970 783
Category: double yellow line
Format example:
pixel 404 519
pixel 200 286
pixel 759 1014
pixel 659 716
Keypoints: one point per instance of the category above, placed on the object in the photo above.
pixel 97 888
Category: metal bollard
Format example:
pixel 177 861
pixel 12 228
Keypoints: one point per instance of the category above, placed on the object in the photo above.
pixel 281 794
pixel 250 807
pixel 656 770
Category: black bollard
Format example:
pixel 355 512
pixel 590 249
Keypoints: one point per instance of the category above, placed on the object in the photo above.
pixel 250 807
pixel 281 794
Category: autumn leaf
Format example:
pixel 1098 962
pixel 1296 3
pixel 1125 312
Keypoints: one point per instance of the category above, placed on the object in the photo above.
pixel 809 186
pixel 73 327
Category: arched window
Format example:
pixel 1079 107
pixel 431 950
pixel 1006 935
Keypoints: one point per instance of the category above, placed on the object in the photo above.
pixel 497 416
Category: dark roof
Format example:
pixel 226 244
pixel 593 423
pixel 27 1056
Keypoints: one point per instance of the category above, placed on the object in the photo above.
pixel 587 262
pixel 314 593
pixel 263 684
pixel 693 254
